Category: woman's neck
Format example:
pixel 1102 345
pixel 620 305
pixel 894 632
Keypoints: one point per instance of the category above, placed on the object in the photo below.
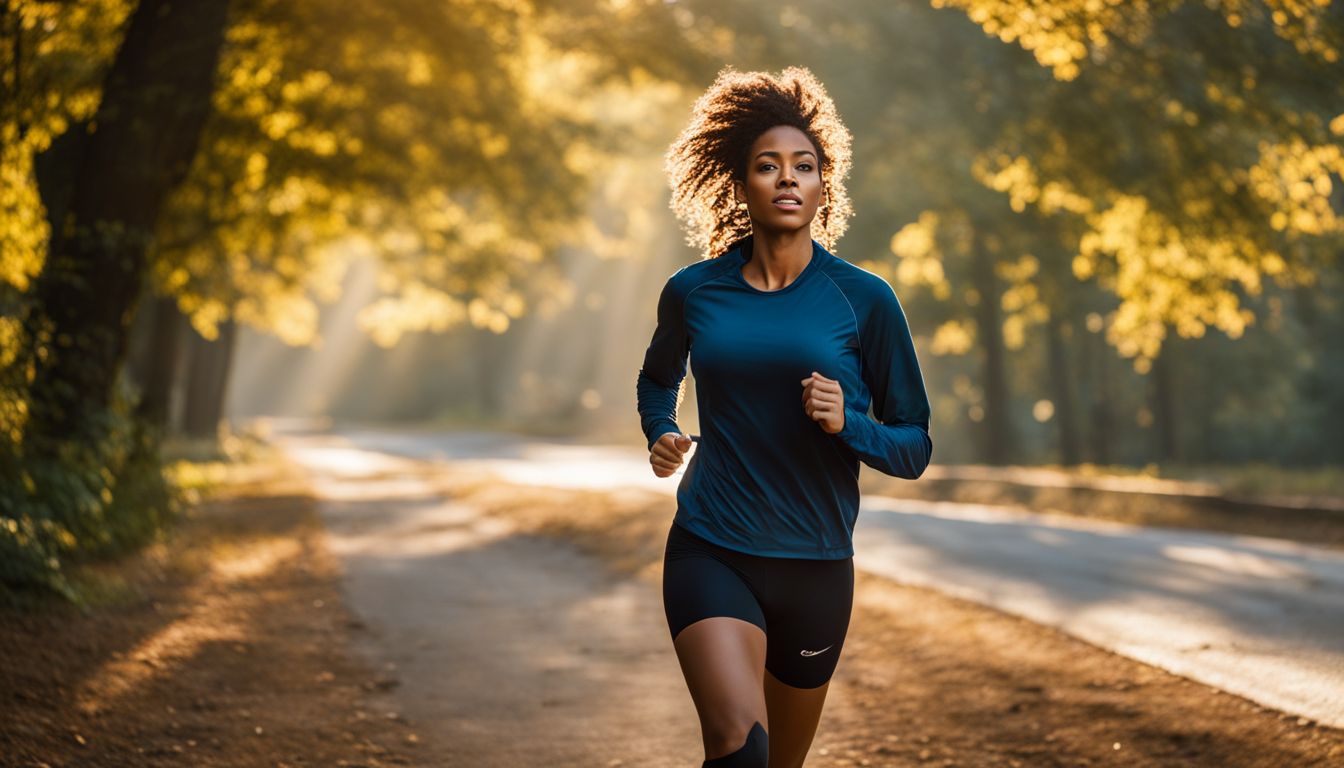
pixel 777 259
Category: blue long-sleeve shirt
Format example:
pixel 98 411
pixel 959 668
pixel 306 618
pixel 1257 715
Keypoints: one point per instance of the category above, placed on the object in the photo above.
pixel 765 478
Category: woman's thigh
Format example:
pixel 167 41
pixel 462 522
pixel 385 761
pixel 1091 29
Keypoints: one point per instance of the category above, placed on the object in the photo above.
pixel 701 580
pixel 807 605
pixel 723 661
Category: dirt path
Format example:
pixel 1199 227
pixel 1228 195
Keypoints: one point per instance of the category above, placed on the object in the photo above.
pixel 508 648
pixel 225 645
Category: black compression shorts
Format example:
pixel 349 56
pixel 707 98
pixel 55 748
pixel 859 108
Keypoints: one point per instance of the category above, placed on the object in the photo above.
pixel 803 605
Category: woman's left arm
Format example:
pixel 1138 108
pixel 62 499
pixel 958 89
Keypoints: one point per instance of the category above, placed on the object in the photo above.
pixel 896 440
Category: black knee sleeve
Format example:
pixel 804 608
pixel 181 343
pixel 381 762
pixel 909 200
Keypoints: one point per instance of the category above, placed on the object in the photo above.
pixel 755 753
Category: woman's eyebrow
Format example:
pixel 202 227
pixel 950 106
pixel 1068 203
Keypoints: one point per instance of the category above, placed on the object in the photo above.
pixel 776 154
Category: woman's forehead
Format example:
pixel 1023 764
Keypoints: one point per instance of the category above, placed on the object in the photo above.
pixel 783 140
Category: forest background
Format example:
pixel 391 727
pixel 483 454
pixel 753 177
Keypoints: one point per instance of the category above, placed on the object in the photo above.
pixel 1115 227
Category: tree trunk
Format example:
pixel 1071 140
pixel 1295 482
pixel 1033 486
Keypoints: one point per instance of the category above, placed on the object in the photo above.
pixel 156 366
pixel 1102 431
pixel 1061 381
pixel 489 362
pixel 207 381
pixel 154 106
pixel 1163 401
pixel 997 434
pixel 55 171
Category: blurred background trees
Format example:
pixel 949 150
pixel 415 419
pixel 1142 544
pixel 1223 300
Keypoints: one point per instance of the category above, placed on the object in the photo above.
pixel 1115 226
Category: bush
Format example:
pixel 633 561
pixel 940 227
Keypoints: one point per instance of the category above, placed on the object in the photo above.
pixel 81 499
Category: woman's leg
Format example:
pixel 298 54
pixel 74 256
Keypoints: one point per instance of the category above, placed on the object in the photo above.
pixel 794 714
pixel 808 605
pixel 723 661
pixel 718 630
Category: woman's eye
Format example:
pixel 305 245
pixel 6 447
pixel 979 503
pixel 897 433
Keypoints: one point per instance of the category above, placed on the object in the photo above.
pixel 804 166
pixel 766 167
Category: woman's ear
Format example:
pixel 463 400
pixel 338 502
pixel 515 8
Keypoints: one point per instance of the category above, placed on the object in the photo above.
pixel 739 192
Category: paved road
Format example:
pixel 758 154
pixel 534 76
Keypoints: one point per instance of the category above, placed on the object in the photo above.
pixel 1259 617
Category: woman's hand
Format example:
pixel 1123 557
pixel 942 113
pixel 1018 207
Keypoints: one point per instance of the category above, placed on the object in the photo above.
pixel 824 402
pixel 665 456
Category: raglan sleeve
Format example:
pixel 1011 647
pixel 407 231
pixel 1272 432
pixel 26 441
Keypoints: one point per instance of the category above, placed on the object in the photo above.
pixel 895 440
pixel 664 367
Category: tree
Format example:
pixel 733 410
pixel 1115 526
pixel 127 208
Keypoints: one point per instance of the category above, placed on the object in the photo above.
pixel 85 295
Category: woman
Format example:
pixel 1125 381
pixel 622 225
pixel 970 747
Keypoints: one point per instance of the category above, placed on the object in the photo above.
pixel 789 345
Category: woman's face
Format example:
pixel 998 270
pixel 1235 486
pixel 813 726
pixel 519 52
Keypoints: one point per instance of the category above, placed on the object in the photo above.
pixel 783 185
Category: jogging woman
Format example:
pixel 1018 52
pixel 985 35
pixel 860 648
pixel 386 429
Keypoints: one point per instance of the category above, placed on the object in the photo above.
pixel 790 345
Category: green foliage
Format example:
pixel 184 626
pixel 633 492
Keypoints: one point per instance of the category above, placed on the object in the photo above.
pixel 79 499
pixel 463 167
pixel 1182 149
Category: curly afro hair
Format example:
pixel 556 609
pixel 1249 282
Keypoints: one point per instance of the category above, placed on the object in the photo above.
pixel 712 151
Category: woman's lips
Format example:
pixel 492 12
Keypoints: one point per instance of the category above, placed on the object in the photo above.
pixel 788 205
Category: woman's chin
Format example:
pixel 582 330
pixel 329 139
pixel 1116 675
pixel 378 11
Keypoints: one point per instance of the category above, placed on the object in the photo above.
pixel 784 225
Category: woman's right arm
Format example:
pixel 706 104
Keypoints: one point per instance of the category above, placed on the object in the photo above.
pixel 664 367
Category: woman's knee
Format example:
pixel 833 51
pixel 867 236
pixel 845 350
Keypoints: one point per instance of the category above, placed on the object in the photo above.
pixel 737 747
pixel 724 733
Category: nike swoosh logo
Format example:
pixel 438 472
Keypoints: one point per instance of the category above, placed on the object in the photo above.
pixel 814 653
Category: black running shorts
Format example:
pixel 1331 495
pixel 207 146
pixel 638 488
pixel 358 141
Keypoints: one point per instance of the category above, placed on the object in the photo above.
pixel 803 605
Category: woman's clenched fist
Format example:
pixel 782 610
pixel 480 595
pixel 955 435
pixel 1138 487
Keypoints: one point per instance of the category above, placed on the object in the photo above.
pixel 824 402
pixel 667 452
